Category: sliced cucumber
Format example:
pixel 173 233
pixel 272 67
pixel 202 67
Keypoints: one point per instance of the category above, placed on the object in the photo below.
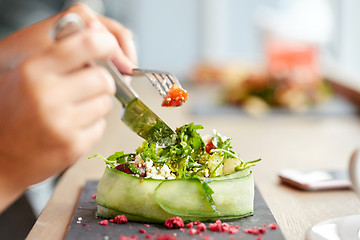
pixel 232 196
pixel 129 194
pixel 151 200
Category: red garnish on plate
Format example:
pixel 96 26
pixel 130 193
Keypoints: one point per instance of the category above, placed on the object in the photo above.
pixel 166 237
pixel 141 230
pixel 201 227
pixel 272 226
pixel 120 219
pixel 175 97
pixel 104 222
pixel 192 231
pixel 174 222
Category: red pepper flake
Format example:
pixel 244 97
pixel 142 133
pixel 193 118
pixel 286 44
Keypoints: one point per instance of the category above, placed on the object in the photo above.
pixel 130 227
pixel 190 225
pixel 259 238
pixel 192 231
pixel 94 195
pixel 141 230
pixel 166 237
pixel 84 224
pixel 104 222
pixel 174 222
pixel 148 236
pixel 201 227
pixel 120 219
pixel 206 237
pixel 273 226
pixel 147 225
pixel 182 229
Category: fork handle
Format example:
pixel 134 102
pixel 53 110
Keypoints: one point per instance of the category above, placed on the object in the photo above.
pixel 72 23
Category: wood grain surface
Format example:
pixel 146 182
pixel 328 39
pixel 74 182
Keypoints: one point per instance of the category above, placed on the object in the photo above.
pixel 284 141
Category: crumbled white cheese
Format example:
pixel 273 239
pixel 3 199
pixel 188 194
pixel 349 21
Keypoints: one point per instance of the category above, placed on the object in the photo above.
pixel 158 172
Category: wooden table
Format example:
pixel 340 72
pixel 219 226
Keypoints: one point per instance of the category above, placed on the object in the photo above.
pixel 282 141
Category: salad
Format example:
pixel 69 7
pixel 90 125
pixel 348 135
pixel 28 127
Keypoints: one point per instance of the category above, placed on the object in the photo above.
pixel 197 178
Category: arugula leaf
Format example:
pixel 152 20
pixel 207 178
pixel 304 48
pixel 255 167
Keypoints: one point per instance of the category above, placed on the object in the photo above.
pixel 245 165
pixel 120 157
pixel 105 160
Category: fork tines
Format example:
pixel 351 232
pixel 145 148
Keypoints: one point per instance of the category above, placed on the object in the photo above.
pixel 162 81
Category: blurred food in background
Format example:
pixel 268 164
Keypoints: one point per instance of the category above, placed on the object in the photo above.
pixel 258 89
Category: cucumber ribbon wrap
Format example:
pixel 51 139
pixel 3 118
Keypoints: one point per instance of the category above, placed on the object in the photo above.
pixel 153 200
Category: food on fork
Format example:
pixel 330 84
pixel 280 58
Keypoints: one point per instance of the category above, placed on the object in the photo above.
pixel 197 178
pixel 175 97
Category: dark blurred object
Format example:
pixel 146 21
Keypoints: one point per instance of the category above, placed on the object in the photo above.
pixel 17 14
pixel 17 221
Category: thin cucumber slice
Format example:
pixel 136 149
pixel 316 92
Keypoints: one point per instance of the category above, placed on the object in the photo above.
pixel 129 194
pixel 120 192
pixel 232 196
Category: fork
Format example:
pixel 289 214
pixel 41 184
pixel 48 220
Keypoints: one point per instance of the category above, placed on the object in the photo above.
pixel 135 114
pixel 162 81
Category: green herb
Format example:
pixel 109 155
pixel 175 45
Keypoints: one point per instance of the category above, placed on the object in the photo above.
pixel 245 165
pixel 105 160
pixel 120 157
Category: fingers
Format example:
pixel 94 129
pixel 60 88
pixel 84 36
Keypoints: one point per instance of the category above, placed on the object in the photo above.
pixel 91 110
pixel 87 83
pixel 80 49
pixel 127 57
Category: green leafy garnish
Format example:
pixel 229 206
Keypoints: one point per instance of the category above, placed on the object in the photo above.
pixel 245 165
pixel 120 157
pixel 109 163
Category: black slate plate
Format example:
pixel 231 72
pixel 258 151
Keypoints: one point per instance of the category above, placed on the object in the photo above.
pixel 88 228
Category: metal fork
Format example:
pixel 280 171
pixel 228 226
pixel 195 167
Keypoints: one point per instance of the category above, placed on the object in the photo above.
pixel 135 114
pixel 162 81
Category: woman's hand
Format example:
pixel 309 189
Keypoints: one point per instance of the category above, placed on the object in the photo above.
pixel 36 37
pixel 52 108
